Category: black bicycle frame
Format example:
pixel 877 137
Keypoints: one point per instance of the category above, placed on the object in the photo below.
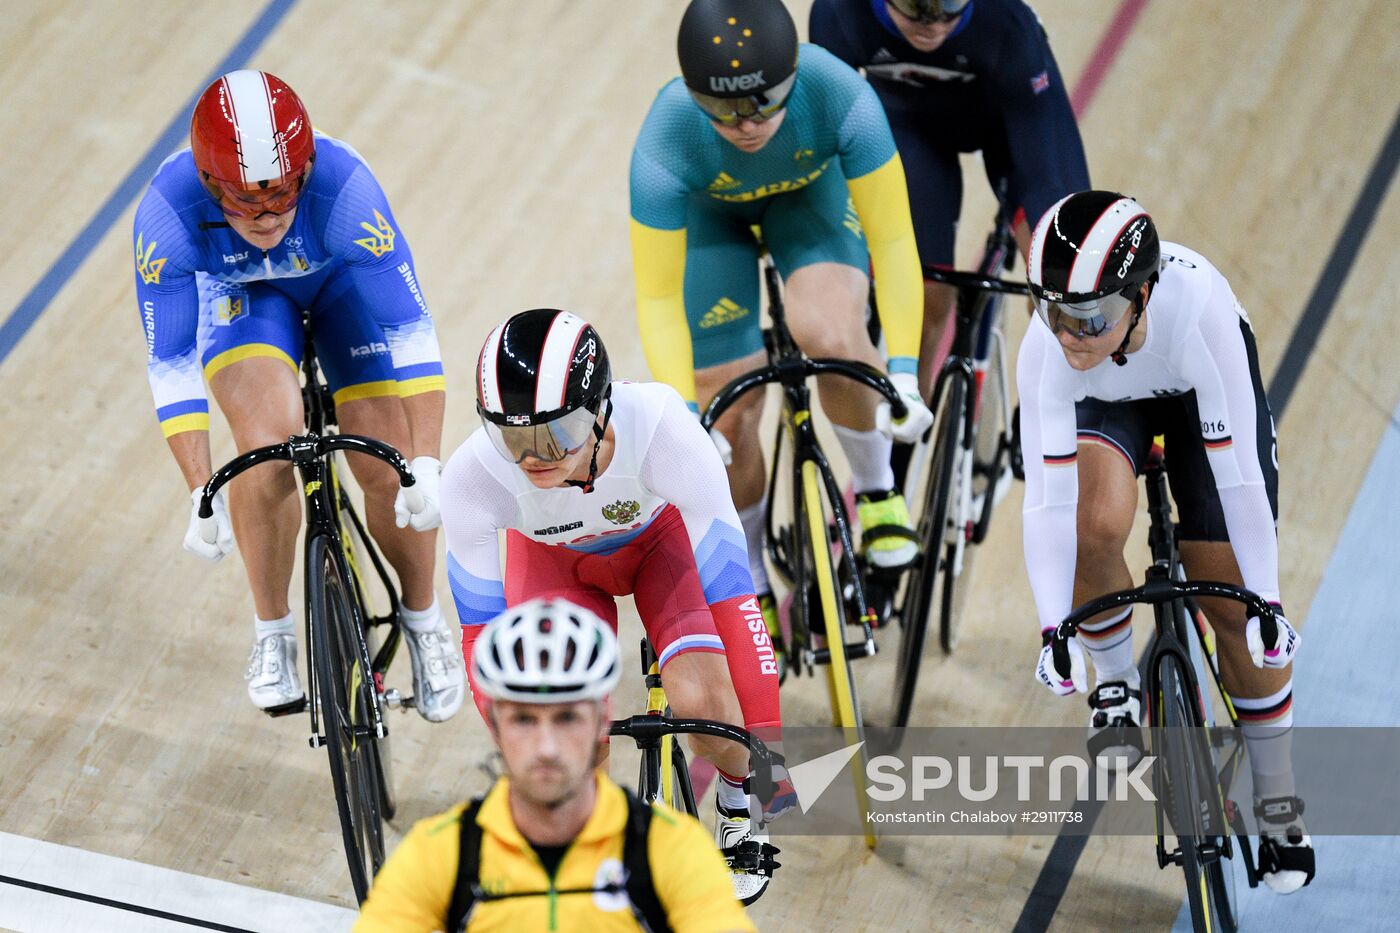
pixel 791 369
pixel 972 337
pixel 307 453
pixel 1171 600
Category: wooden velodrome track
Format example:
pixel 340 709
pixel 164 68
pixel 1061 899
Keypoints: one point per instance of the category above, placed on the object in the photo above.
pixel 501 132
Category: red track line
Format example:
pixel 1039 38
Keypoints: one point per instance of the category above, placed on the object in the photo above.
pixel 1105 53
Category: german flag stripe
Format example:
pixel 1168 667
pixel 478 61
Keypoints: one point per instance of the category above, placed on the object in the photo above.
pixel 1267 713
pixel 1219 443
pixel 1061 459
pixel 1101 634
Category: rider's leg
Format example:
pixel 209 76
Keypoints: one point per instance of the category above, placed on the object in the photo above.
pixel 1262 698
pixel 261 399
pixel 411 553
pixel 748 480
pixel 817 244
pixel 433 639
pixel 1108 496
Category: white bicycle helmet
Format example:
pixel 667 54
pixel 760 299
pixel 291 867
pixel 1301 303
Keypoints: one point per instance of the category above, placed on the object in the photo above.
pixel 546 651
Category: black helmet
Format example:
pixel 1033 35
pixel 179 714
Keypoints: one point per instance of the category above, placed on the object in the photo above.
pixel 738 57
pixel 1089 256
pixel 540 381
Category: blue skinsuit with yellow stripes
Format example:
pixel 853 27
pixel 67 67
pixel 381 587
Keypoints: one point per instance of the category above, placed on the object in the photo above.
pixel 208 298
pixel 828 187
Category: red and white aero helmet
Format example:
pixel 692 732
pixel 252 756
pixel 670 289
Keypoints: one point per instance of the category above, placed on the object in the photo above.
pixel 252 142
pixel 546 651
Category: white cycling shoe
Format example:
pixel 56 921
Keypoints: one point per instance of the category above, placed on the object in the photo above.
pixel 739 843
pixel 1286 860
pixel 272 678
pixel 439 671
pixel 1115 725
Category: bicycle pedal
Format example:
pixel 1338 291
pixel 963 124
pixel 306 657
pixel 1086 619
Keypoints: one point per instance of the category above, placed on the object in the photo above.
pixel 395 700
pixel 287 709
pixel 752 857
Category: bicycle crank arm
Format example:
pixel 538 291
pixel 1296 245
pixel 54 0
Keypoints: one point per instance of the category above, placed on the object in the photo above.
pixel 287 709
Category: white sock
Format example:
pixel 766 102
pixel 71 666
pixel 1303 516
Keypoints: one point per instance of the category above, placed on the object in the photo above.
pixel 868 453
pixel 1113 655
pixel 731 796
pixel 282 626
pixel 420 620
pixel 1270 744
pixel 752 520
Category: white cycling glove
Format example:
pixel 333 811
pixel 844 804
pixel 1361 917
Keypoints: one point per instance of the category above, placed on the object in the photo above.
pixel 426 472
pixel 726 452
pixel 1283 651
pixel 210 538
pixel 1046 673
pixel 918 419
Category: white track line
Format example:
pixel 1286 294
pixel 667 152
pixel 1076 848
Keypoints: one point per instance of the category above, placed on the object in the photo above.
pixel 29 911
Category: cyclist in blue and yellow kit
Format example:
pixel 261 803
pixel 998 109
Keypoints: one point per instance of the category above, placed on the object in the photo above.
pixel 260 219
pixel 761 132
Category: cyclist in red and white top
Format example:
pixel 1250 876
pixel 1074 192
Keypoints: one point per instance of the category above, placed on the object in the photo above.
pixel 606 489
pixel 1184 365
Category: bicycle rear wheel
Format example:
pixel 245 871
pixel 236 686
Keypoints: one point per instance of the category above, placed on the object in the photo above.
pixel 844 701
pixel 936 485
pixel 344 692
pixel 1193 802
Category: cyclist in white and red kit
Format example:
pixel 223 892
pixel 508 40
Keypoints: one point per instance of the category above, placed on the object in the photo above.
pixel 606 489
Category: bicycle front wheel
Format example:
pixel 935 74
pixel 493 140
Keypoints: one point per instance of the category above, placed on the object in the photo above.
pixel 344 688
pixel 1193 802
pixel 937 484
pixel 844 702
pixel 381 644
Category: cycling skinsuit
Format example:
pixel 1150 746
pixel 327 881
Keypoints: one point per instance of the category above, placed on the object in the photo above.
pixel 208 298
pixel 828 187
pixel 1196 379
pixel 659 524
pixel 413 891
pixel 993 86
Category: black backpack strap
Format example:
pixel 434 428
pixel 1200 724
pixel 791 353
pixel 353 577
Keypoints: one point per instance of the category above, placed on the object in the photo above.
pixel 636 862
pixel 468 868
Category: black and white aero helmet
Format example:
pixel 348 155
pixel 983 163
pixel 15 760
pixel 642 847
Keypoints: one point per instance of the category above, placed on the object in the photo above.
pixel 1089 256
pixel 540 381
pixel 546 651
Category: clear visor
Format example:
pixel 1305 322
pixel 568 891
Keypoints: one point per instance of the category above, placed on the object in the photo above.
pixel 1083 318
pixel 755 107
pixel 930 11
pixel 550 442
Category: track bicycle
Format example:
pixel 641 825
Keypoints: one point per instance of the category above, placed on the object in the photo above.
pixel 664 776
pixel 1197 761
pixel 349 647
pixel 814 554
pixel 954 472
